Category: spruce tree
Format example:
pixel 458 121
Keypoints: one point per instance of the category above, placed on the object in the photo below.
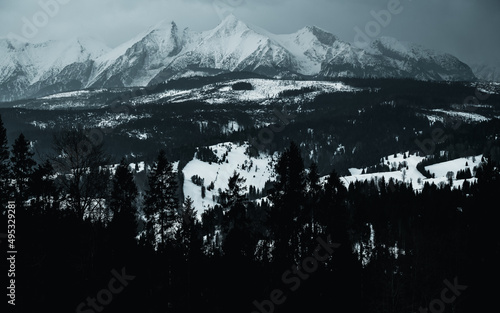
pixel 313 194
pixel 123 226
pixel 22 168
pixel 161 202
pixel 334 215
pixel 187 235
pixel 235 194
pixel 189 244
pixel 288 202
pixel 43 188
pixel 4 166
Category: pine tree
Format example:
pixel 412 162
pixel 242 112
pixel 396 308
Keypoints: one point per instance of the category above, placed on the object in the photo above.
pixel 313 196
pixel 43 188
pixel 22 168
pixel 187 235
pixel 123 226
pixel 288 202
pixel 235 192
pixel 4 166
pixel 189 245
pixel 334 214
pixel 239 238
pixel 161 203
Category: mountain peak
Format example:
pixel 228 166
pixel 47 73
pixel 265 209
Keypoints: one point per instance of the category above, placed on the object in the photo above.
pixel 231 21
pixel 230 18
pixel 163 52
pixel 13 43
pixel 322 35
pixel 164 25
pixel 391 43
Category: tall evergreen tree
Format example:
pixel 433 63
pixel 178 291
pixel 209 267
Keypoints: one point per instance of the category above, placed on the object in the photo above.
pixel 43 189
pixel 334 213
pixel 235 194
pixel 313 197
pixel 22 168
pixel 123 226
pixel 288 202
pixel 188 234
pixel 4 166
pixel 161 202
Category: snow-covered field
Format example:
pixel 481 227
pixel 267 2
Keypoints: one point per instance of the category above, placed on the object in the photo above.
pixel 263 89
pixel 256 171
pixel 409 173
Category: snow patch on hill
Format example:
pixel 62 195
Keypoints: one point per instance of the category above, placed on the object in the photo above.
pixel 263 89
pixel 408 172
pixel 466 116
pixel 441 169
pixel 256 170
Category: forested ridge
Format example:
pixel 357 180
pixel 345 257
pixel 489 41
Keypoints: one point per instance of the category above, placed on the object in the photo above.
pixel 388 249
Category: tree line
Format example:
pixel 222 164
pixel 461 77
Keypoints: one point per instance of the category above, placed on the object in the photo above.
pixel 78 218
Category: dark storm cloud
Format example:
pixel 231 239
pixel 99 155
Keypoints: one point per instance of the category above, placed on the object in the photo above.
pixel 465 28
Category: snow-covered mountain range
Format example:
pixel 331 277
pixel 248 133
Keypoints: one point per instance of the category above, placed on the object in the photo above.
pixel 164 52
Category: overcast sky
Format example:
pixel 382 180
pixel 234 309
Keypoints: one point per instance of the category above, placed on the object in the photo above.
pixel 468 29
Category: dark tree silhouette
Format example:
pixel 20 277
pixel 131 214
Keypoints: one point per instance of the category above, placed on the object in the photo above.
pixel 288 201
pixel 4 167
pixel 43 188
pixel 235 193
pixel 187 236
pixel 22 169
pixel 123 225
pixel 84 178
pixel 161 202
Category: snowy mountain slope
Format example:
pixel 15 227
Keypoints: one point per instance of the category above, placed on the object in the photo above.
pixel 232 46
pixel 28 69
pixel 164 52
pixel 310 46
pixel 138 61
pixel 388 57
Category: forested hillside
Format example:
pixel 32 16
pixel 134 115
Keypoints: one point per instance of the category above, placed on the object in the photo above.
pixel 311 243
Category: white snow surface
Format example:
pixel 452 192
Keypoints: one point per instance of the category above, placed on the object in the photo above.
pixel 404 175
pixel 42 60
pixel 441 169
pixel 163 52
pixel 260 171
pixel 263 89
pixel 466 116
pixel 71 94
pixel 413 176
